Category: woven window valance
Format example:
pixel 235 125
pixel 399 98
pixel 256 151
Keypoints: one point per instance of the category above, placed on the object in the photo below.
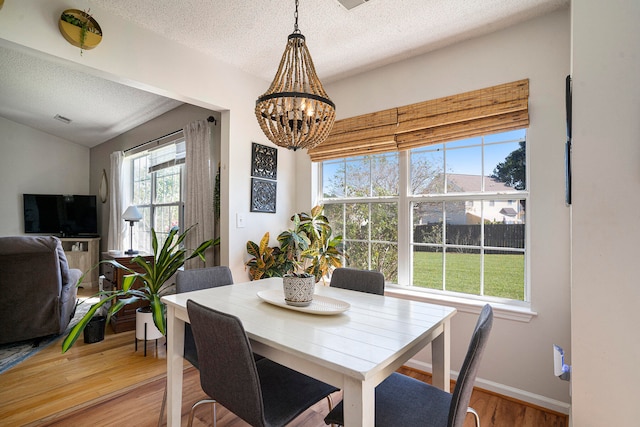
pixel 491 110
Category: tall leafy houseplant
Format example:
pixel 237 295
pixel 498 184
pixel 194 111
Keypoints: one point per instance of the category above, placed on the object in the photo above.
pixel 155 282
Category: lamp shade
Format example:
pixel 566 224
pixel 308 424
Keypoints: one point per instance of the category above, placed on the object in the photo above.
pixel 132 214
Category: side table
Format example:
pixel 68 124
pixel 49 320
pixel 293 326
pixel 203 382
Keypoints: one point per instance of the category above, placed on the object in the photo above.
pixel 125 319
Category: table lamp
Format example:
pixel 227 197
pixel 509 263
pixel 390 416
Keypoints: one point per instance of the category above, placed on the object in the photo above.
pixel 132 214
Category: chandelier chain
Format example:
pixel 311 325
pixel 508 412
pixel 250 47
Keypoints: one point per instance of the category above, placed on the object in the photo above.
pixel 295 27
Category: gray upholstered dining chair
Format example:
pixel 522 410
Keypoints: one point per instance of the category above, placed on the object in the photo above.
pixel 358 280
pixel 195 280
pixel 262 393
pixel 405 401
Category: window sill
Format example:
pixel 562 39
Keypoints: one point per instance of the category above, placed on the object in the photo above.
pixel 465 305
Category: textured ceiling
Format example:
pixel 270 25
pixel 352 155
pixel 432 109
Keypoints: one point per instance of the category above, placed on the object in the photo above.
pixel 250 35
pixel 34 90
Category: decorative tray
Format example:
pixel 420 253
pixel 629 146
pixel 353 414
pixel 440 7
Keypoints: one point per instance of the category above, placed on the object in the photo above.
pixel 319 305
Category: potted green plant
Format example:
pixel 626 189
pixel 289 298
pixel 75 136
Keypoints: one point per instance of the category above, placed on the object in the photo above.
pixel 310 246
pixel 167 260
pixel 307 253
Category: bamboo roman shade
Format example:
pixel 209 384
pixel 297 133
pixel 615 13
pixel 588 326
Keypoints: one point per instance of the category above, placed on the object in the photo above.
pixel 479 112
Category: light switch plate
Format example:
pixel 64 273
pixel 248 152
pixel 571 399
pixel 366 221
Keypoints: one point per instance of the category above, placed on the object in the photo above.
pixel 240 219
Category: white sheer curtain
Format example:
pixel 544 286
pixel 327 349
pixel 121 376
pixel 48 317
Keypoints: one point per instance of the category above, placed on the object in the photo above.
pixel 116 224
pixel 199 189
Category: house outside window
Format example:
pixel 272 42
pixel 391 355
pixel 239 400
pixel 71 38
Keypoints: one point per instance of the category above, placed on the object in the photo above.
pixel 446 217
pixel 157 180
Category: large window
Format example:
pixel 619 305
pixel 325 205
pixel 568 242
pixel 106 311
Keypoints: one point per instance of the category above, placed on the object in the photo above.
pixel 157 191
pixel 448 217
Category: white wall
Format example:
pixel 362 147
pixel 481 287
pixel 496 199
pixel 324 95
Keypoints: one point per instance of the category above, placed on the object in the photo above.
pixel 136 57
pixel 606 174
pixel 36 162
pixel 519 355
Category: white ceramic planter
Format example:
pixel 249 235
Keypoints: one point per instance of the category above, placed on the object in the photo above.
pixel 142 319
pixel 298 291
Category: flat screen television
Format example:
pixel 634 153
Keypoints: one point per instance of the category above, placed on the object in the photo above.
pixel 63 215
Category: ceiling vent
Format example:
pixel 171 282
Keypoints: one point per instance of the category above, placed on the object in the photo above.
pixel 350 4
pixel 62 119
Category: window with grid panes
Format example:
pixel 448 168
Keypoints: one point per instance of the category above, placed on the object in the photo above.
pixel 157 191
pixel 459 209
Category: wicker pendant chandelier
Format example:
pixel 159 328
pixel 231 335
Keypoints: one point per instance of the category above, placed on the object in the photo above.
pixel 296 112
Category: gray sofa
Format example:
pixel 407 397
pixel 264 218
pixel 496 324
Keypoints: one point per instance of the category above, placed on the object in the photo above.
pixel 37 288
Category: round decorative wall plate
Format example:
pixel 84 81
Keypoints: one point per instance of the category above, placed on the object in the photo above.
pixel 71 25
pixel 104 187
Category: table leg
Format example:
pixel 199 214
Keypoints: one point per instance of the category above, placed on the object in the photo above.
pixel 358 402
pixel 175 344
pixel 441 357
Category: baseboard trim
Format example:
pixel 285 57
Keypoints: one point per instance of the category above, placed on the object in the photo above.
pixel 504 390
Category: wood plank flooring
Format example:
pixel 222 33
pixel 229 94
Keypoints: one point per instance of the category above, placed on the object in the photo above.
pixel 110 384
pixel 51 382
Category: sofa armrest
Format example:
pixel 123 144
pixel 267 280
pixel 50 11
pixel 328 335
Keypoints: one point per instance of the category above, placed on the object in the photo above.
pixel 73 277
pixel 68 296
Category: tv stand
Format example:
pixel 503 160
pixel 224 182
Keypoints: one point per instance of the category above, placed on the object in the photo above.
pixel 85 256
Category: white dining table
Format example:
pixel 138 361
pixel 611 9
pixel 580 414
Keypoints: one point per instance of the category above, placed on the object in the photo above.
pixel 353 350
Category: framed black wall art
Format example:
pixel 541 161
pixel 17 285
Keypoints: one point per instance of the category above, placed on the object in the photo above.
pixel 264 161
pixel 264 172
pixel 263 195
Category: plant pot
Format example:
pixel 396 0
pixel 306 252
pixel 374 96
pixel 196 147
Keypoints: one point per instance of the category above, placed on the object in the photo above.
pixel 298 291
pixel 72 33
pixel 144 317
pixel 94 331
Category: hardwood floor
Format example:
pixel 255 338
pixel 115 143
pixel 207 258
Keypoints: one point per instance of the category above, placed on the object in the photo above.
pixel 110 384
pixel 51 382
pixel 121 409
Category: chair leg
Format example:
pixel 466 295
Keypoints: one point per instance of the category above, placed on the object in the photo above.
pixel 164 404
pixel 475 416
pixel 190 423
pixel 330 404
